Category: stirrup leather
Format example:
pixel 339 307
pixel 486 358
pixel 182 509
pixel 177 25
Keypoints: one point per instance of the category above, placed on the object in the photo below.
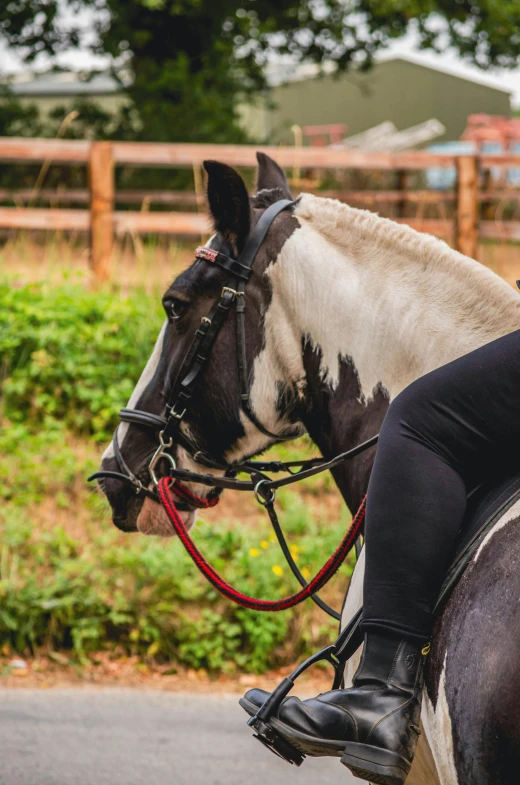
pixel 337 654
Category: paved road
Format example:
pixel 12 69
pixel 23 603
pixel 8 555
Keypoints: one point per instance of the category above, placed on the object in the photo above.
pixel 128 737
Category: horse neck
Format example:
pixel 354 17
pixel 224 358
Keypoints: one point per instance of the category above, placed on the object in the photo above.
pixel 377 305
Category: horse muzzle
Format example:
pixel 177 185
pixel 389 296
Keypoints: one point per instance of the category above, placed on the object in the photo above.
pixel 153 520
pixel 132 511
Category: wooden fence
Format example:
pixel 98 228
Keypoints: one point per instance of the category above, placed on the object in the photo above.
pixel 102 220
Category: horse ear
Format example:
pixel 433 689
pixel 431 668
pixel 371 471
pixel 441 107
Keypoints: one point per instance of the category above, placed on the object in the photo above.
pixel 270 175
pixel 228 201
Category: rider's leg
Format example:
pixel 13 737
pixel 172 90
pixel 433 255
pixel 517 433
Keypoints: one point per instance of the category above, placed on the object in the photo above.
pixel 441 436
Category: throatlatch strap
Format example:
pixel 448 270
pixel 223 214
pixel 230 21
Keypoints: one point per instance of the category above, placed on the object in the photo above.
pixel 323 576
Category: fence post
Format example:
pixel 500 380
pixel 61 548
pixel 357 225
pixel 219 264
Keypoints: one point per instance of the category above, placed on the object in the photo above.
pixel 402 186
pixel 101 184
pixel 467 205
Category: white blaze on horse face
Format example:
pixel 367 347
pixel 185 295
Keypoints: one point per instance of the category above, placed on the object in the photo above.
pixel 152 519
pixel 142 384
pixel 149 371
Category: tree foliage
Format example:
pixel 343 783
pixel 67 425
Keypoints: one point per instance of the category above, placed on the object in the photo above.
pixel 191 60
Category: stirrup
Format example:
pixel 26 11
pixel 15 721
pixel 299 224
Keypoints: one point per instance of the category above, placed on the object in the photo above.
pixel 337 654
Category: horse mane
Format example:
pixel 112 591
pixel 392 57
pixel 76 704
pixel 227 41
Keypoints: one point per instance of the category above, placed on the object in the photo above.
pixel 367 236
pixel 266 197
pixel 344 225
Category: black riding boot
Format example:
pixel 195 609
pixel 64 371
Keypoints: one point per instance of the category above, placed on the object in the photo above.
pixel 373 726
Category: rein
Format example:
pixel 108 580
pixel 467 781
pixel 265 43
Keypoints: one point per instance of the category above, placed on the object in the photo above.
pixel 308 590
pixel 170 435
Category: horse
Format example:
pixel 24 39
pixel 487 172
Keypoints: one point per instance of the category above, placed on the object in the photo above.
pixel 344 310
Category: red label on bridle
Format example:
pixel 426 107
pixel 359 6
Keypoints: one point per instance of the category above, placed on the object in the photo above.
pixel 205 253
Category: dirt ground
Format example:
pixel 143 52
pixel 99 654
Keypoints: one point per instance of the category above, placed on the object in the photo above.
pixel 102 670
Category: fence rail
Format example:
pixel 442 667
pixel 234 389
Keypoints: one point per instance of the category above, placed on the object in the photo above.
pixel 103 221
pixel 145 198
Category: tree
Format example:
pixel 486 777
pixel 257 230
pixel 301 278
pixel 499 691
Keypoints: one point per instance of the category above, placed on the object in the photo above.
pixel 193 60
pixel 17 119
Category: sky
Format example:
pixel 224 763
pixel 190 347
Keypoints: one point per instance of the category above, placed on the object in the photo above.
pixel 405 47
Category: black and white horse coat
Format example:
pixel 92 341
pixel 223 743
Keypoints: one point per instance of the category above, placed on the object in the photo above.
pixel 346 310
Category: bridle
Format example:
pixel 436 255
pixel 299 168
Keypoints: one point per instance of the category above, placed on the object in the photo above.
pixel 170 434
pixel 168 426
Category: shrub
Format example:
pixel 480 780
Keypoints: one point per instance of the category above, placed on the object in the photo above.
pixel 70 358
pixel 145 596
pixel 73 355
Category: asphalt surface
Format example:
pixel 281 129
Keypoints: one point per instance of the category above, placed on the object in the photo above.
pixel 130 737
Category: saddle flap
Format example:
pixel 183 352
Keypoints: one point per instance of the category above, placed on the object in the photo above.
pixel 486 504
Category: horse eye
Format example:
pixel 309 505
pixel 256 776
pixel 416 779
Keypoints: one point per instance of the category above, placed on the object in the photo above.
pixel 175 309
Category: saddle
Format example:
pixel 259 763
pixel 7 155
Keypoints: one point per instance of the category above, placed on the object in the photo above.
pixel 486 504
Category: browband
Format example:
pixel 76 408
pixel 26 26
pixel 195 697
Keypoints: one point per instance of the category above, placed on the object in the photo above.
pixel 232 266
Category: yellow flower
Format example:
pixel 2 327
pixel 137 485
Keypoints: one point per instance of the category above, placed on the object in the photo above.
pixel 277 569
pixel 294 549
pixel 254 552
pixel 272 538
pixel 306 574
pixel 264 544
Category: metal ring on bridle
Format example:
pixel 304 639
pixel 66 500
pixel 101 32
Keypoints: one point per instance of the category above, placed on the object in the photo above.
pixel 158 455
pixel 263 500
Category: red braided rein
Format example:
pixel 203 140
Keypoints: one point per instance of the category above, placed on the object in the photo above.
pixel 185 495
pixel 323 576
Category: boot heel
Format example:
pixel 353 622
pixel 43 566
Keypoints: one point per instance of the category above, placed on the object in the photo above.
pixel 375 765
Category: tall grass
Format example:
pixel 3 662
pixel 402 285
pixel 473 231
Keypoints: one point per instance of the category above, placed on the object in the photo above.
pixel 148 263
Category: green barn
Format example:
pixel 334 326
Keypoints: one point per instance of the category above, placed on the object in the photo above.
pixel 398 89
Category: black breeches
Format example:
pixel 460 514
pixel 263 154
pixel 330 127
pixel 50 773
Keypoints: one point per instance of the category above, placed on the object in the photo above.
pixel 441 437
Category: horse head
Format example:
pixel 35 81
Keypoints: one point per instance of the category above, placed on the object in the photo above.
pixel 217 423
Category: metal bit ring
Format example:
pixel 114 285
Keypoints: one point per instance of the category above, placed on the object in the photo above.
pixel 258 494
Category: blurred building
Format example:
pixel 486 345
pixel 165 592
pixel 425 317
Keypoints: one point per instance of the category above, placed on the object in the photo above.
pixel 56 88
pixel 397 90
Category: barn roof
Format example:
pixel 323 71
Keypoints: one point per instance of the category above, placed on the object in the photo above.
pixel 284 71
pixel 62 83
